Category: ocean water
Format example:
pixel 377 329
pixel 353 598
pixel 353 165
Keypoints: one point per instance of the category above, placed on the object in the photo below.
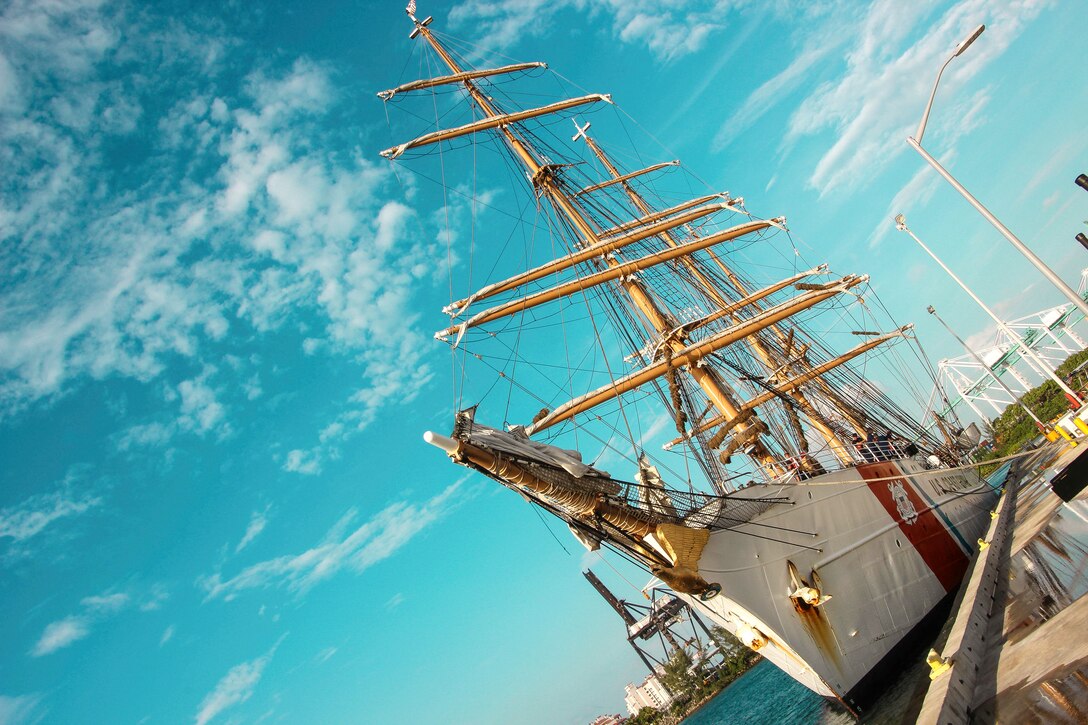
pixel 765 695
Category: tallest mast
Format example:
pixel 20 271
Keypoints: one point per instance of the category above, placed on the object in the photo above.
pixel 544 180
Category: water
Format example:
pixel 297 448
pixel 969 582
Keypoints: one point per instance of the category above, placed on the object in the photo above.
pixel 997 478
pixel 766 695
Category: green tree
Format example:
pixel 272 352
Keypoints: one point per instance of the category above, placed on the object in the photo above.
pixel 1013 428
pixel 725 641
pixel 645 716
pixel 677 675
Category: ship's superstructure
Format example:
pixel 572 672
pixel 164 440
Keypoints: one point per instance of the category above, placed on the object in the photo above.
pixel 812 516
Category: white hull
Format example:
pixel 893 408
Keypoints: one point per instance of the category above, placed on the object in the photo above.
pixel 886 559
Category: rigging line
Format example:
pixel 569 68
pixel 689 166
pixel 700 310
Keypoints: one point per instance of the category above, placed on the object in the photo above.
pixel 458 399
pixel 453 191
pixel 620 547
pixel 531 364
pixel 741 522
pixel 703 498
pixel 517 341
pixel 536 509
pixel 771 538
pixel 621 576
pixel 604 358
pixel 566 357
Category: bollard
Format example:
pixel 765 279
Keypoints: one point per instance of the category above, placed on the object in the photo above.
pixel 1064 434
pixel 937 665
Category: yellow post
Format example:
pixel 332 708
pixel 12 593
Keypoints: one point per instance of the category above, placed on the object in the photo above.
pixel 937 665
pixel 1052 435
pixel 1081 424
pixel 1065 434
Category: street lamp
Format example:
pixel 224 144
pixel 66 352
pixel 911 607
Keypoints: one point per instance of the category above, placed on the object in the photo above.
pixel 901 225
pixel 1016 398
pixel 915 142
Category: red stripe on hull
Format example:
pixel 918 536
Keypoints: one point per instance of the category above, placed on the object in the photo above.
pixel 923 529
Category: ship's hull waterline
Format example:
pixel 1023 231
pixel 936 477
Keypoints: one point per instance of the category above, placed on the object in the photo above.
pixel 885 543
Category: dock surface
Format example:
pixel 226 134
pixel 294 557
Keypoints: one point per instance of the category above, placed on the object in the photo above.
pixel 1016 644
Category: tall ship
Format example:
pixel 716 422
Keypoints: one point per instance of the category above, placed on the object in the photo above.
pixel 797 504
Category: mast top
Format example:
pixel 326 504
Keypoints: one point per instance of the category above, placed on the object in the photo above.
pixel 420 24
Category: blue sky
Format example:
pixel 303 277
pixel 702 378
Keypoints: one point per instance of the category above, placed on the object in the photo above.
pixel 216 303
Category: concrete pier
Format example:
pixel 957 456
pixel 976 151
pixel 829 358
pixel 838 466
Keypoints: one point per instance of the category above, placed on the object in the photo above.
pixel 1015 649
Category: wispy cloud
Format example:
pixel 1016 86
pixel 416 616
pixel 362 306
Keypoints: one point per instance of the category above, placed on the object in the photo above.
pixel 20 709
pixel 667 28
pixel 60 634
pixel 235 222
pixel 775 90
pixel 30 517
pixel 21 524
pixel 346 545
pixel 257 521
pixel 106 603
pixel 308 463
pixel 914 193
pixel 94 610
pixel 167 635
pixel 876 101
pixel 236 687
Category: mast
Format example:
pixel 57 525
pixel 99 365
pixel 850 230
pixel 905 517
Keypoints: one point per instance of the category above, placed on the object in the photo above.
pixel 545 181
pixel 599 239
pixel 712 291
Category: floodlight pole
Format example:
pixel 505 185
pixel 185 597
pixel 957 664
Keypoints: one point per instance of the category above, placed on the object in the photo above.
pixel 980 361
pixel 915 143
pixel 901 225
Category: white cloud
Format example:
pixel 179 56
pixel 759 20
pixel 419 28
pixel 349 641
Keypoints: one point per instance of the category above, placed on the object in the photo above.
pixel 95 609
pixel 325 654
pixel 30 517
pixel 394 601
pixel 877 100
pixel 1048 170
pixel 19 709
pixel 10 96
pixel 667 28
pixel 167 635
pixel 148 434
pixel 106 603
pixel 775 90
pixel 914 193
pixel 154 599
pixel 343 546
pixel 201 412
pixel 138 276
pixel 60 634
pixel 307 463
pixel 236 687
pixel 257 521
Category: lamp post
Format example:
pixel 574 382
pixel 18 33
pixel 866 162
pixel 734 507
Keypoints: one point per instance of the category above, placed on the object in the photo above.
pixel 915 142
pixel 979 360
pixel 901 225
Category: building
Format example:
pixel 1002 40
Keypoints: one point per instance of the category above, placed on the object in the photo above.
pixel 651 693
pixel 607 720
